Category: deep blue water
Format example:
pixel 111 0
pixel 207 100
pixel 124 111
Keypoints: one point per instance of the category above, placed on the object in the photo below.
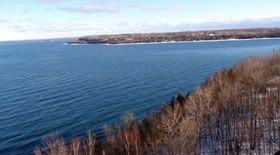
pixel 50 87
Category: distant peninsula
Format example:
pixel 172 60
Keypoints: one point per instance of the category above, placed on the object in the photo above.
pixel 180 36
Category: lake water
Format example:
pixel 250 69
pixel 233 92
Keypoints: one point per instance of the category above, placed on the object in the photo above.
pixel 48 86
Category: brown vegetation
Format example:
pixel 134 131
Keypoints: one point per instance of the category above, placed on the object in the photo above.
pixel 236 111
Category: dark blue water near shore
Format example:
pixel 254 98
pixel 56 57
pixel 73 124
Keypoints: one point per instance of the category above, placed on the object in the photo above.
pixel 51 87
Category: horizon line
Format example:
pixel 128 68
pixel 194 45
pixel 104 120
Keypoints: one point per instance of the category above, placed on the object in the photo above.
pixel 76 37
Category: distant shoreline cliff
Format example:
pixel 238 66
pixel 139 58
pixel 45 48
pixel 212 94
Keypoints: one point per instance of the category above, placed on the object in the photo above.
pixel 180 36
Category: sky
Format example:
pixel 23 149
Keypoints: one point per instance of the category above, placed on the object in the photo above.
pixel 39 19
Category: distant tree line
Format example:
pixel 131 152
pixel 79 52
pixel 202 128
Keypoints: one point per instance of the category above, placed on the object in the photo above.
pixel 182 36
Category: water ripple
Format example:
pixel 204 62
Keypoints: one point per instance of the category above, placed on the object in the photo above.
pixel 46 87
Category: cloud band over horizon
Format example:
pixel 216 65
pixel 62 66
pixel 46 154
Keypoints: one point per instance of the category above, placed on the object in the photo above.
pixel 61 18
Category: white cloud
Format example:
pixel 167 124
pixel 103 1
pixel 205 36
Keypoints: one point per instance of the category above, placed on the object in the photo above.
pixel 152 9
pixel 49 1
pixel 3 21
pixel 101 2
pixel 60 29
pixel 174 7
pixel 90 9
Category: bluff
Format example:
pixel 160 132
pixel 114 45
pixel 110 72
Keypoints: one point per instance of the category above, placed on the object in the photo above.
pixel 235 111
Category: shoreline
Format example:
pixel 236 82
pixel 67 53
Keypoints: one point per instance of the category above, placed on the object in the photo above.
pixel 184 36
pixel 175 42
pixel 187 115
pixel 170 42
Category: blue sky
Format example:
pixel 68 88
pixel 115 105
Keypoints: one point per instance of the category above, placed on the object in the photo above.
pixel 33 19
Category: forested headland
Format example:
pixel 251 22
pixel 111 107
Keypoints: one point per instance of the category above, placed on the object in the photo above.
pixel 180 36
